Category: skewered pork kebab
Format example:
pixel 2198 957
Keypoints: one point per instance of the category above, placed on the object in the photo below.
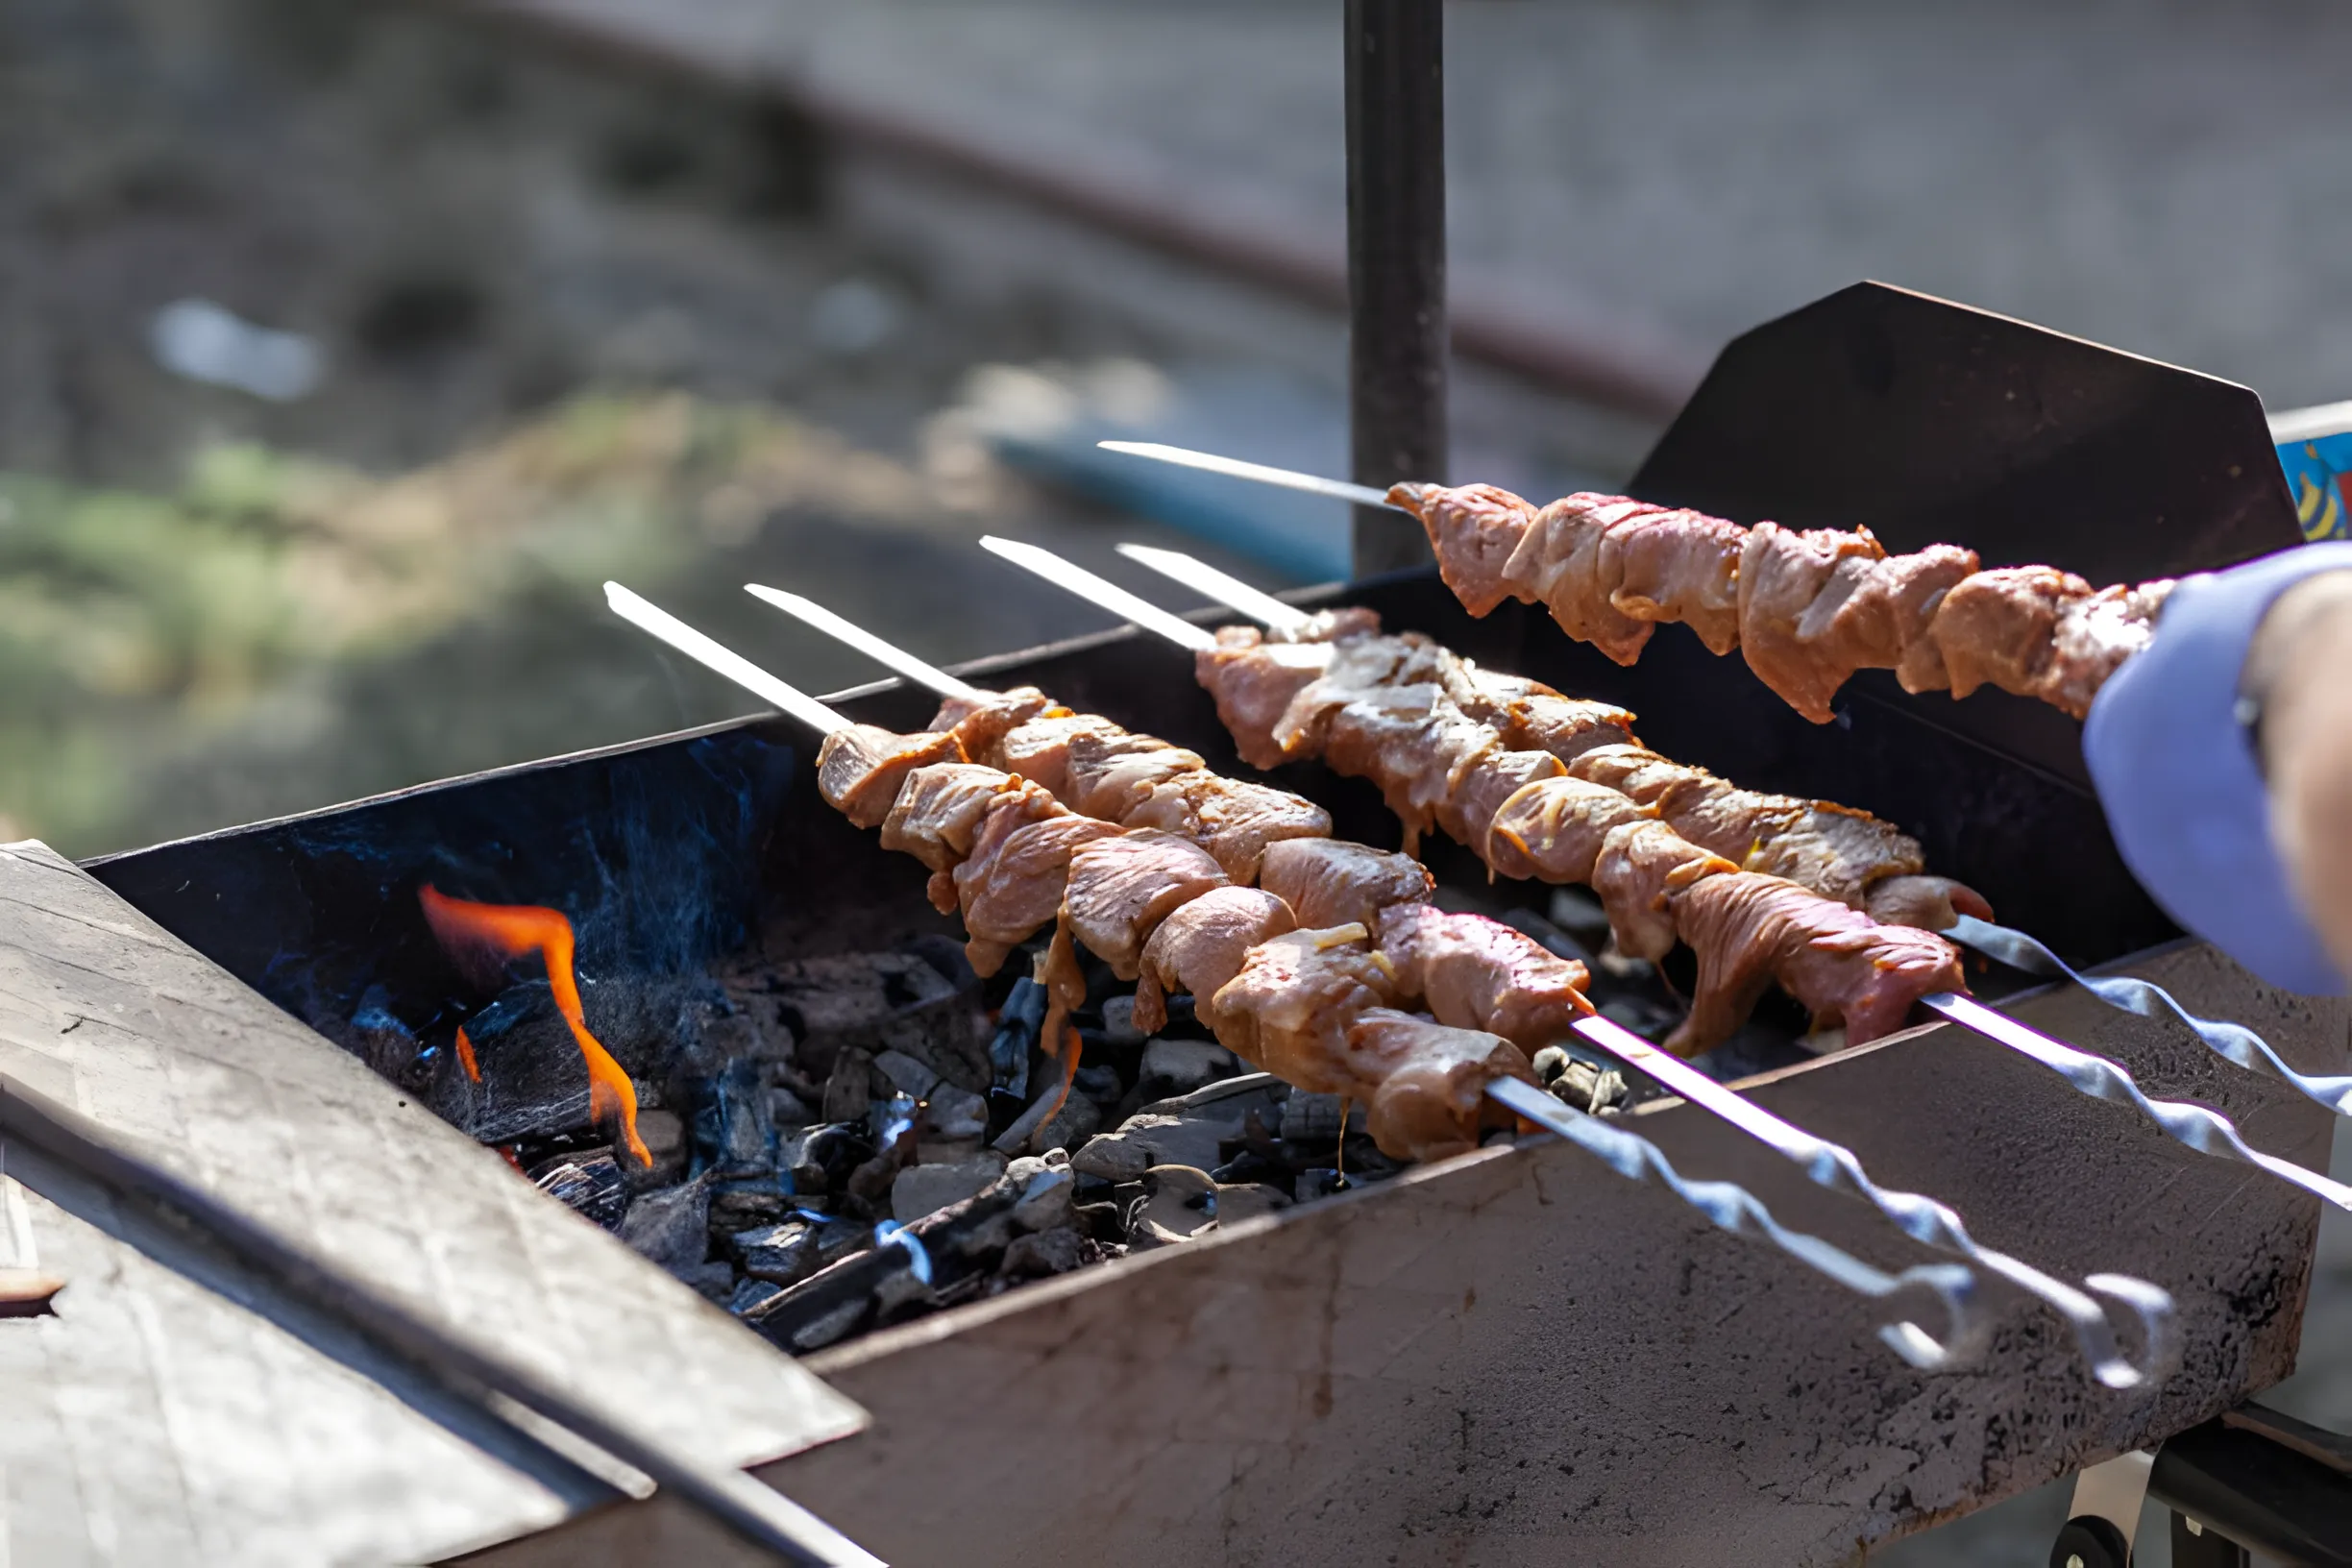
pixel 1807 606
pixel 1475 972
pixel 1305 1004
pixel 2195 1125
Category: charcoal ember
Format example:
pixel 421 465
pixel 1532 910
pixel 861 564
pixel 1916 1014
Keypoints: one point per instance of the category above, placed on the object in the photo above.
pixel 923 1190
pixel 535 1083
pixel 1105 1222
pixel 1045 1253
pixel 785 1252
pixel 820 1159
pixel 1076 1121
pixel 960 1241
pixel 1017 1025
pixel 1189 1130
pixel 764 1032
pixel 1579 915
pixel 1119 1022
pixel 731 1122
pixel 752 1293
pixel 908 1076
pixel 1313 1120
pixel 788 1108
pixel 713 1278
pixel 1588 1085
pixel 742 1205
pixel 589 1184
pixel 1178 1066
pixel 1255 1165
pixel 1179 1204
pixel 952 1115
pixel 664 1135
pixel 671 1227
pixel 1048 1188
pixel 848 1091
pixel 881 1002
pixel 1099 1082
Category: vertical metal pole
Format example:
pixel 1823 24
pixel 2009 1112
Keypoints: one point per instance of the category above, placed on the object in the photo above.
pixel 1396 263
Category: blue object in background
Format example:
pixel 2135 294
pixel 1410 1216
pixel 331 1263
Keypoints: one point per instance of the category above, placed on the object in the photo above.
pixel 2315 446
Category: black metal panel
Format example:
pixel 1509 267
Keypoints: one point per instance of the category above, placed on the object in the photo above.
pixel 1396 262
pixel 1929 422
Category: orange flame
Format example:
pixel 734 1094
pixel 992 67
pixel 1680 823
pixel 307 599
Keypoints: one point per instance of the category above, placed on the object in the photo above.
pixel 509 931
pixel 465 1055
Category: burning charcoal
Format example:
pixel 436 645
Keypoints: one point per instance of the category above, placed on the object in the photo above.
pixel 1179 1207
pixel 1188 1131
pixel 741 1205
pixel 908 1076
pixel 953 1245
pixel 923 1189
pixel 822 1157
pixel 955 1115
pixel 715 1279
pixel 752 1293
pixel 1254 1166
pixel 1320 1182
pixel 1018 1024
pixel 671 1227
pixel 665 1139
pixel 1069 1127
pixel 785 1254
pixel 534 1081
pixel 849 1093
pixel 1580 914
pixel 731 1122
pixel 1585 1085
pixel 1178 1066
pixel 1105 1222
pixel 589 1183
pixel 1099 1083
pixel 1046 1190
pixel 877 1001
pixel 787 1109
pixel 1119 1022
pixel 1043 1254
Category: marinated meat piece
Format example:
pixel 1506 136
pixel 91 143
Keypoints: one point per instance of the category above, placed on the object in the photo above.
pixel 1200 947
pixel 1012 884
pixel 1426 1083
pixel 1552 830
pixel 1360 669
pixel 1567 727
pixel 858 770
pixel 1330 882
pixel 1558 563
pixel 981 721
pixel 1641 866
pixel 1040 748
pixel 1477 974
pixel 2093 638
pixel 1232 819
pixel 1473 529
pixel 939 811
pixel 1337 625
pixel 1288 1012
pixel 1873 612
pixel 1110 775
pixel 1121 886
pixel 1751 930
pixel 1254 682
pixel 1478 790
pixel 1678 566
pixel 1996 627
pixel 1414 743
pixel 1930 903
pixel 1782 572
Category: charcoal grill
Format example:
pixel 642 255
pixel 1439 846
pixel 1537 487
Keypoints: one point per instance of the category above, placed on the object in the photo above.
pixel 1511 1356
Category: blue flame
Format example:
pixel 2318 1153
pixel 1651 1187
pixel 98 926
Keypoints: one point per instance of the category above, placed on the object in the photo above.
pixel 891 1234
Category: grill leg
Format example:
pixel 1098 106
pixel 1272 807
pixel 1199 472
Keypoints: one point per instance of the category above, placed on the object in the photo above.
pixel 1396 263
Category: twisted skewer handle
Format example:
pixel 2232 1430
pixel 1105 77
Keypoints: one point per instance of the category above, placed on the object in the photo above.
pixel 1834 1166
pixel 2208 1132
pixel 2231 1042
pixel 1735 1209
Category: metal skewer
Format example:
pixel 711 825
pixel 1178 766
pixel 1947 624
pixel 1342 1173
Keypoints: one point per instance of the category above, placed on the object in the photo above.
pixel 2208 1132
pixel 1286 478
pixel 845 630
pixel 1725 1203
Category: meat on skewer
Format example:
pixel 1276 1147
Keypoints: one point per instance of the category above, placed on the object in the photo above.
pixel 1159 908
pixel 1807 606
pixel 1437 765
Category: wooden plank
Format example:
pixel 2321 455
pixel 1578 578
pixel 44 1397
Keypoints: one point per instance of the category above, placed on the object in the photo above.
pixel 1518 1358
pixel 143 1382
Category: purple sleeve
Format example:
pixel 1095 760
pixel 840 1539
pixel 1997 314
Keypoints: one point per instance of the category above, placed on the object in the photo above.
pixel 2177 774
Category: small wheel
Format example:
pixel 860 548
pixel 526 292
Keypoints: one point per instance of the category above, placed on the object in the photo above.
pixel 2089 1541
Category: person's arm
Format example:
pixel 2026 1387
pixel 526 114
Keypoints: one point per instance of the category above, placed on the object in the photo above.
pixel 2250 673
pixel 2298 679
